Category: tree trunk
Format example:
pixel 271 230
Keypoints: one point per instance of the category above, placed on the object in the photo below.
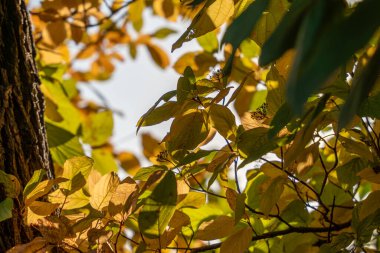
pixel 23 143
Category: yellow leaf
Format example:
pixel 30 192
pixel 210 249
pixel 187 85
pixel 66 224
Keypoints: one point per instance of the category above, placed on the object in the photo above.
pixel 223 121
pixel 103 190
pixel 187 131
pixel 87 52
pixel 214 14
pixel 75 200
pixel 55 33
pixel 124 199
pixel 218 228
pixel 159 56
pixel 237 242
pixel 193 200
pixel 38 210
pixel 129 162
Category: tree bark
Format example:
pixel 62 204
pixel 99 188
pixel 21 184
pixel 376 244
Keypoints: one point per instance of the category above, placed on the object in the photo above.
pixel 23 142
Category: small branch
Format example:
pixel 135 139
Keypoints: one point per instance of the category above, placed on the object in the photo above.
pixel 299 230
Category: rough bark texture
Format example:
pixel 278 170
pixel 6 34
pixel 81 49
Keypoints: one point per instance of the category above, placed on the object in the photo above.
pixel 23 143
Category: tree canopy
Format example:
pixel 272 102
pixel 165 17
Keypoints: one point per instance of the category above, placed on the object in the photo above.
pixel 274 139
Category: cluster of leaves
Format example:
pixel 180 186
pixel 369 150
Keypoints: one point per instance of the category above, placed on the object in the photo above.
pixel 306 131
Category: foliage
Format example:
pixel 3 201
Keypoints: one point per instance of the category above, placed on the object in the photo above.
pixel 297 169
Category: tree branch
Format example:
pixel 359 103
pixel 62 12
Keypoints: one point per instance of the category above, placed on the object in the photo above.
pixel 299 230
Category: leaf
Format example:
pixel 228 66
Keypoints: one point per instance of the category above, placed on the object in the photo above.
pixel 218 228
pixel 73 201
pixel 327 52
pixel 192 157
pixel 159 207
pixel 242 26
pixel 124 199
pixel 236 201
pixel 347 173
pixel 253 144
pixel 74 165
pixel 369 107
pixel 361 87
pixel 103 190
pixel 129 162
pixel 98 128
pixel 238 242
pixel 104 160
pixel 223 121
pixel 39 210
pixel 55 33
pixel 33 182
pixel 6 207
pixel 57 136
pixel 370 205
pixel 213 15
pixel 269 20
pixel 144 173
pixel 192 200
pixel 187 131
pixel 158 55
pixel 10 185
pixel 40 190
pixel 283 37
pixel 209 42
pixel 162 33
pixel 70 149
pixel 160 114
pixel 166 97
pixel 272 194
pixel 36 245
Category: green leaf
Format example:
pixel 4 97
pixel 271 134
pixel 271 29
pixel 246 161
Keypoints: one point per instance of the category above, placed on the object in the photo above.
pixel 68 150
pixel 296 212
pixel 361 87
pixel 242 26
pixel 284 36
pixel 347 173
pixel 159 207
pixel 160 114
pixel 162 33
pixel 144 173
pixel 104 160
pixel 253 144
pixel 209 42
pixel 57 136
pixel 269 20
pixel 192 157
pixel 37 177
pixel 282 117
pixel 98 128
pixel 166 97
pixel 6 207
pixel 370 107
pixel 330 49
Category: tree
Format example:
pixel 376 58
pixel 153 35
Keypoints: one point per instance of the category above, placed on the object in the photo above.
pixel 23 143
pixel 302 122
